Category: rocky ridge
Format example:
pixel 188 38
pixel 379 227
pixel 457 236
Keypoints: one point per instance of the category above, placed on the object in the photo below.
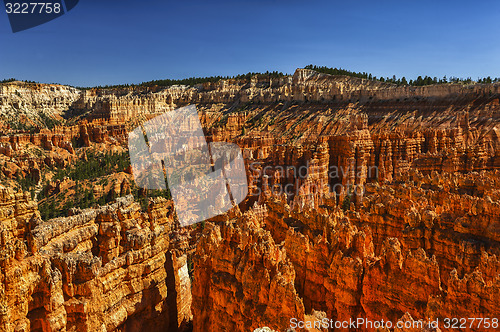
pixel 97 270
pixel 23 105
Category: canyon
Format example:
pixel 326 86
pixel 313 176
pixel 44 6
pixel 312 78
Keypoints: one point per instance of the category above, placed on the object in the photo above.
pixel 394 213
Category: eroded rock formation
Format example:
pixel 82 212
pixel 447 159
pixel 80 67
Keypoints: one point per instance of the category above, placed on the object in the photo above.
pixel 366 200
pixel 97 270
pixel 25 104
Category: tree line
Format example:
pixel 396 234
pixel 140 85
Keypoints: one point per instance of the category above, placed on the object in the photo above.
pixel 8 80
pixel 419 81
pixel 191 81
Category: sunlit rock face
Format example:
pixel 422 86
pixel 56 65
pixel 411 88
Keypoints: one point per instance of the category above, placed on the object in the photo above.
pixel 23 104
pixel 417 238
pixel 102 269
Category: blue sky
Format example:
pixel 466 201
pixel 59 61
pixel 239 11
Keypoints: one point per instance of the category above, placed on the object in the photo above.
pixel 131 41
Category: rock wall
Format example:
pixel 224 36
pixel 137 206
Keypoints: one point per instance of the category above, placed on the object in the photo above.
pixel 304 86
pixel 30 104
pixel 242 280
pixel 106 269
